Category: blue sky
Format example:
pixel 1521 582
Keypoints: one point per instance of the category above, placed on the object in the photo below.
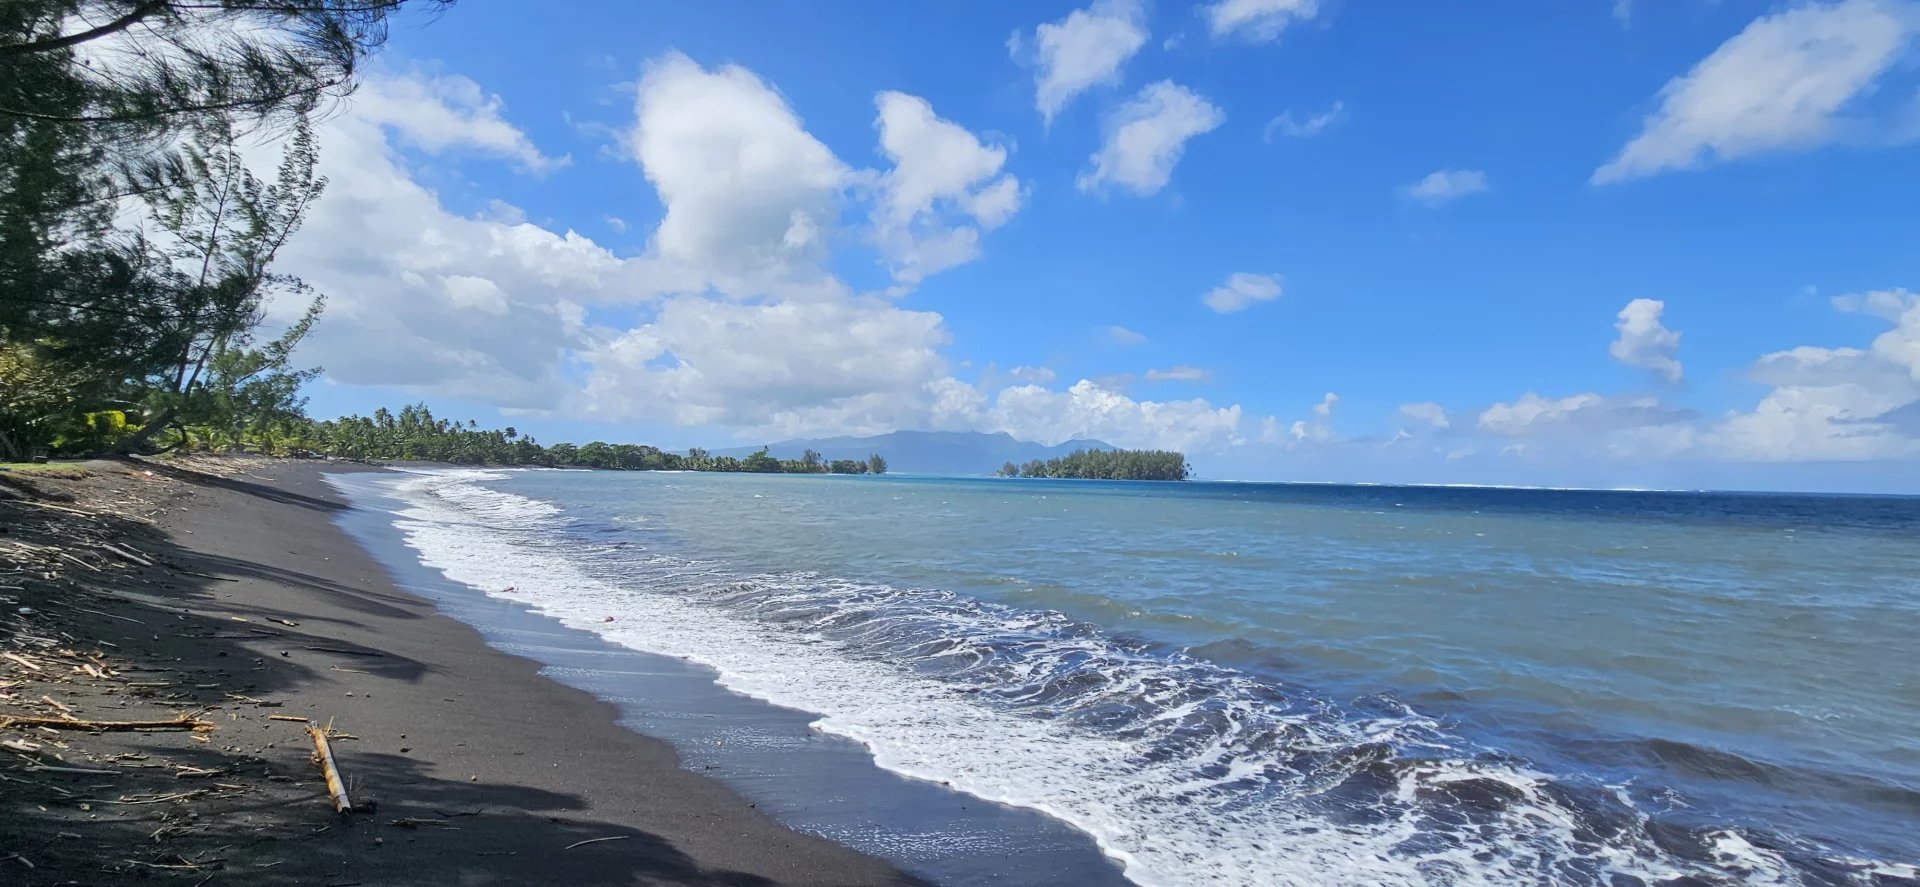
pixel 1606 243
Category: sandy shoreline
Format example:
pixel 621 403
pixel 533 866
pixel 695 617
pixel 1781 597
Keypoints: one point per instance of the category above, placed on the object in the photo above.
pixel 483 771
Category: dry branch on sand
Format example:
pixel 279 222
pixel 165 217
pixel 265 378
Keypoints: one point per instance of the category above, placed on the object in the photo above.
pixel 180 723
pixel 323 753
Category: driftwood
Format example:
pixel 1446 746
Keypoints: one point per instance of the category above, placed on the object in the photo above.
pixel 129 554
pixel 84 771
pixel 183 723
pixel 341 652
pixel 323 753
pixel 595 841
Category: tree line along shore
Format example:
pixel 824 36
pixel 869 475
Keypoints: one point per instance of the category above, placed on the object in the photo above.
pixel 414 434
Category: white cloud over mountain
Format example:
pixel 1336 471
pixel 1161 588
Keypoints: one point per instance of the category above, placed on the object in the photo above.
pixel 1033 413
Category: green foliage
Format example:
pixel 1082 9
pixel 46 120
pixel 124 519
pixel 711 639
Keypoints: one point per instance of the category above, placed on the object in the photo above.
pixel 1107 465
pixel 35 395
pixel 90 432
pixel 260 61
pixel 760 462
pixel 104 101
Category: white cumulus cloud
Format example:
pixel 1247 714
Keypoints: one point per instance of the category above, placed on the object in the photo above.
pixel 1644 341
pixel 730 319
pixel 1088 410
pixel 427 300
pixel 751 197
pixel 1083 50
pixel 943 178
pixel 1783 83
pixel 437 113
pixel 1426 413
pixel 1146 137
pixel 1830 404
pixel 795 366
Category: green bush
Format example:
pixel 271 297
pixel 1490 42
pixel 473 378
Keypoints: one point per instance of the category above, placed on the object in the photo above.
pixel 91 433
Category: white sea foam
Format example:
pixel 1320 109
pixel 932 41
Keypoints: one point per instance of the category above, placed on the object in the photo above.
pixel 1185 771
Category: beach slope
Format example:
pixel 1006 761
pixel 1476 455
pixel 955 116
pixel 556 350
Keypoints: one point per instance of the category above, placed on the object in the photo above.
pixel 153 592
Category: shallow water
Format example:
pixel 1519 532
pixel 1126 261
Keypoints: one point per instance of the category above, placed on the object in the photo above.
pixel 1259 684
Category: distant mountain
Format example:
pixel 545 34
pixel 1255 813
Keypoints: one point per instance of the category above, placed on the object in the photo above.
pixel 927 452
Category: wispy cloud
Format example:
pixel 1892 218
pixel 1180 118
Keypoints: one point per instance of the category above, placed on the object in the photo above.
pixel 1286 125
pixel 1258 20
pixel 1181 373
pixel 1241 290
pixel 1447 185
pixel 1783 83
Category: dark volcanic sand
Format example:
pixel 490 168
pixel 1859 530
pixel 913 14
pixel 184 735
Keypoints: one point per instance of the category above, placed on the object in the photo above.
pixel 516 766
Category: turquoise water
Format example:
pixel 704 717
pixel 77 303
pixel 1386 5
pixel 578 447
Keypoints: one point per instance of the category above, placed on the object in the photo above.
pixel 1238 683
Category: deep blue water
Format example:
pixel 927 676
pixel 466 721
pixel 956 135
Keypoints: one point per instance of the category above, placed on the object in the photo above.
pixel 1259 683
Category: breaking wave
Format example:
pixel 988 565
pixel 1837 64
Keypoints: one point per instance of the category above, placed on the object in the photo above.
pixel 1185 770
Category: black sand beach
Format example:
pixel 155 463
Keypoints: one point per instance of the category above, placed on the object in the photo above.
pixel 236 599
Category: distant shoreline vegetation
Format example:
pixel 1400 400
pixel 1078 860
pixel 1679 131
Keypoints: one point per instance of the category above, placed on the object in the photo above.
pixel 1106 465
pixel 414 434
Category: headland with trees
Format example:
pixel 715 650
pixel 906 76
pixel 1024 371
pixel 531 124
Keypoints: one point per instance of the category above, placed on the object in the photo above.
pixel 1106 465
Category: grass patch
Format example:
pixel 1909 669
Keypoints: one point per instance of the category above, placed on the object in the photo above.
pixel 45 469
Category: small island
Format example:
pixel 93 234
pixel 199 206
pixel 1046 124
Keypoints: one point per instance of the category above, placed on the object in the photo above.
pixel 1106 465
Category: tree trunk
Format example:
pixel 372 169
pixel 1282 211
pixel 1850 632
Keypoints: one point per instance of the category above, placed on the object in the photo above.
pixel 137 441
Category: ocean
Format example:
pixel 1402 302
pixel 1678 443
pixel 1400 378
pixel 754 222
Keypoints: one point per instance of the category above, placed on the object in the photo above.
pixel 1223 683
